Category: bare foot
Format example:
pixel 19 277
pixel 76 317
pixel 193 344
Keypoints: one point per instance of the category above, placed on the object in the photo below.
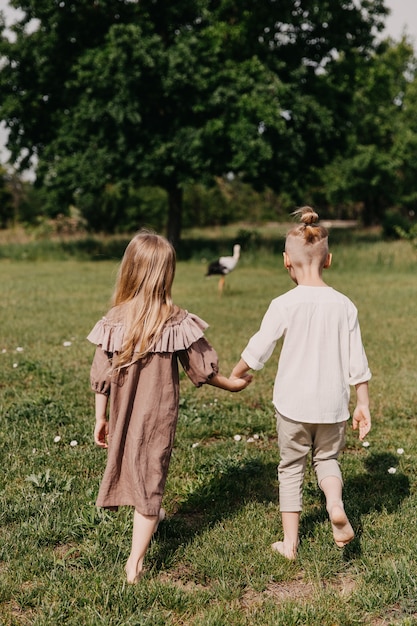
pixel 134 573
pixel 289 552
pixel 342 530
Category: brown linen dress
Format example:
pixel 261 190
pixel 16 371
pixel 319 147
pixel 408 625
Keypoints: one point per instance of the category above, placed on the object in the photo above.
pixel 144 401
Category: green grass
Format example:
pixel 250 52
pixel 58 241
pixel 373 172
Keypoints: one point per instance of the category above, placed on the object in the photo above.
pixel 61 559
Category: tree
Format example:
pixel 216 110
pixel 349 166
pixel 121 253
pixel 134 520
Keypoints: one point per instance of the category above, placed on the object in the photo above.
pixel 377 166
pixel 123 93
pixel 404 146
pixel 6 200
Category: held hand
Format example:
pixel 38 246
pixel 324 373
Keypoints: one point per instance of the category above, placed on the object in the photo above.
pixel 361 420
pixel 101 431
pixel 237 383
pixel 233 383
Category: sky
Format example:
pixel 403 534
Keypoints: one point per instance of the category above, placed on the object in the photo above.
pixel 403 20
pixel 403 17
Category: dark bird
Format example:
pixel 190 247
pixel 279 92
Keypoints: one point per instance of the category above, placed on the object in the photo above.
pixel 224 265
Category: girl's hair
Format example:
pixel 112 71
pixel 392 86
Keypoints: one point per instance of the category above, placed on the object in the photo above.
pixel 312 236
pixel 142 295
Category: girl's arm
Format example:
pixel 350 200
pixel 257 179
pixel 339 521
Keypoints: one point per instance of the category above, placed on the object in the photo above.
pixel 233 383
pixel 101 429
pixel 238 379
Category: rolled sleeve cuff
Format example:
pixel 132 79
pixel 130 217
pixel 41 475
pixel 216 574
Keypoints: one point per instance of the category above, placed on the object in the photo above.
pixel 253 363
pixel 357 380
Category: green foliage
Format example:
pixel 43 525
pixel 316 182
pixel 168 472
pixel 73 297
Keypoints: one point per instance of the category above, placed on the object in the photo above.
pixel 373 172
pixel 409 233
pixel 395 223
pixel 230 201
pixel 47 483
pixel 6 201
pixel 113 96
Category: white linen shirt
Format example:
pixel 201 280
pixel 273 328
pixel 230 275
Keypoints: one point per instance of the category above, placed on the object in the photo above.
pixel 321 356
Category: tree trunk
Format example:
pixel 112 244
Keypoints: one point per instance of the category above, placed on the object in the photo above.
pixel 174 215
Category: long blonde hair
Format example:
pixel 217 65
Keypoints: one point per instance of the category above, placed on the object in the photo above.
pixel 142 295
pixel 308 239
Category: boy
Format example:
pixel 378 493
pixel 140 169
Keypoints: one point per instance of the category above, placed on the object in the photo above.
pixel 322 355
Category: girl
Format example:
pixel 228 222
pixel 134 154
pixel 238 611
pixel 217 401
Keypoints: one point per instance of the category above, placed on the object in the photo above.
pixel 322 355
pixel 139 343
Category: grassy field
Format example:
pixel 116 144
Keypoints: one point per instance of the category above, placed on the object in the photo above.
pixel 61 559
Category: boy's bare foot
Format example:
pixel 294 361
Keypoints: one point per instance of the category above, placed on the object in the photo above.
pixel 342 530
pixel 289 552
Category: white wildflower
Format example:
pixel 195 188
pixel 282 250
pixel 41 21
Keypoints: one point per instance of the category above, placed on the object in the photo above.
pixel 392 470
pixel 366 444
pixel 195 445
pixel 67 344
pixel 57 438
pixel 19 349
pixel 237 437
pixel 400 451
pixel 15 365
pixel 4 351
pixel 256 436
pixel 73 443
pixel 250 440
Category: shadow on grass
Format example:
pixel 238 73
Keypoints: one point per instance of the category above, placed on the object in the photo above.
pixel 255 481
pixel 229 490
pixel 220 498
pixel 373 491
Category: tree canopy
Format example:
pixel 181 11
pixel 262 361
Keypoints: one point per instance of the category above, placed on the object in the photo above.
pixel 106 95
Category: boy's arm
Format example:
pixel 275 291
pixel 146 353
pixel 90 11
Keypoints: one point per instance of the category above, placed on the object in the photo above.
pixel 240 369
pixel 101 429
pixel 361 416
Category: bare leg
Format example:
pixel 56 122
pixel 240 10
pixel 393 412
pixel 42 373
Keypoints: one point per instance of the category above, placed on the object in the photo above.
pixel 288 547
pixel 342 530
pixel 221 284
pixel 143 528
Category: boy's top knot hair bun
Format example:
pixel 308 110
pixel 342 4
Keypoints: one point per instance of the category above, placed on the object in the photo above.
pixel 309 230
pixel 307 216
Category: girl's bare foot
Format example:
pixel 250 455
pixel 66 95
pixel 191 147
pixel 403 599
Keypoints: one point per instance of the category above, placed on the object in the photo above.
pixel 134 572
pixel 134 567
pixel 290 552
pixel 342 530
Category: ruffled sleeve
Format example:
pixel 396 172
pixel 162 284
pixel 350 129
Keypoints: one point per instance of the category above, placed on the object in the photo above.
pixel 186 338
pixel 184 335
pixel 177 335
pixel 108 335
pixel 100 373
pixel 200 362
pixel 181 334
